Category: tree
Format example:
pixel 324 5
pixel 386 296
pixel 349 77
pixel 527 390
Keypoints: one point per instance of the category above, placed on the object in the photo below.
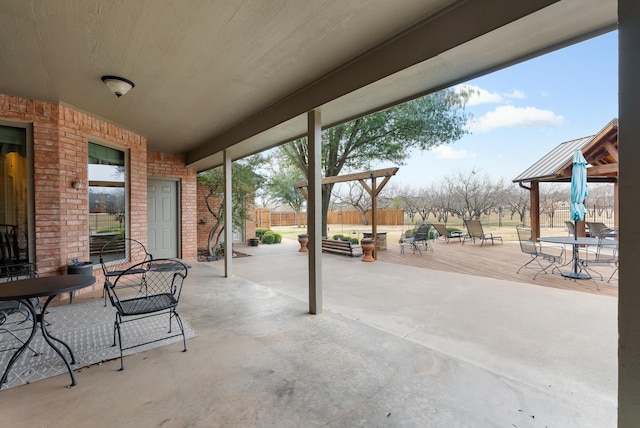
pixel 281 188
pixel 356 197
pixel 517 201
pixel 552 197
pixel 388 135
pixel 475 194
pixel 244 182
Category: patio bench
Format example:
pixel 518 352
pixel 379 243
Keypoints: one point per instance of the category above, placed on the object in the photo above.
pixel 341 247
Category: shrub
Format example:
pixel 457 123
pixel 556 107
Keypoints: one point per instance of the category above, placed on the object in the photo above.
pixel 261 231
pixel 355 241
pixel 277 238
pixel 337 237
pixel 268 238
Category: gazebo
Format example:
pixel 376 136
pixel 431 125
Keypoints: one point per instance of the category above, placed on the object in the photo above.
pixel 600 151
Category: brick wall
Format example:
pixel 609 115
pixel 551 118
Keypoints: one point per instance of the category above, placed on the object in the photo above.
pixel 206 221
pixel 169 165
pixel 61 136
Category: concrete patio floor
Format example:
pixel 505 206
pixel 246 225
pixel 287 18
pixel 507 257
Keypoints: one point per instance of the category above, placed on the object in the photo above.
pixel 396 346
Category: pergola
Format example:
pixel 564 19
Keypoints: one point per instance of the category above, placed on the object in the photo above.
pixel 374 189
pixel 600 151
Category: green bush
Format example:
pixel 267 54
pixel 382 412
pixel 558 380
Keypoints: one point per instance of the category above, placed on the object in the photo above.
pixel 355 241
pixel 277 238
pixel 337 237
pixel 261 231
pixel 268 238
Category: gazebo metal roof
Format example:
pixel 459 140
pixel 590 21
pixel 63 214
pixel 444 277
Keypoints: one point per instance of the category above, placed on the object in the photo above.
pixel 600 151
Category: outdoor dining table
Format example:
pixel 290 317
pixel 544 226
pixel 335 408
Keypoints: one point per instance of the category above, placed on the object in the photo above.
pixel 46 286
pixel 575 242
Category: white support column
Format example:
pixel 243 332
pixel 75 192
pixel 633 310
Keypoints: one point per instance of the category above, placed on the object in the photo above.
pixel 629 204
pixel 314 212
pixel 228 217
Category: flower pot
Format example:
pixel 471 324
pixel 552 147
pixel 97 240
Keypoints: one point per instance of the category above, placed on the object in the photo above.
pixel 303 239
pixel 253 242
pixel 367 245
pixel 80 268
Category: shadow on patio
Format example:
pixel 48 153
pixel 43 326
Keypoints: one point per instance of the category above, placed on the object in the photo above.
pixel 395 346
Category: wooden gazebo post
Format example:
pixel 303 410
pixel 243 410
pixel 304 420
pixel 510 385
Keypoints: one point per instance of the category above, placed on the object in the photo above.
pixel 373 190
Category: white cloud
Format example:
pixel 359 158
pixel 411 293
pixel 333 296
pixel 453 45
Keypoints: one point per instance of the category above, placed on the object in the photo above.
pixel 448 153
pixel 483 96
pixel 516 94
pixel 515 117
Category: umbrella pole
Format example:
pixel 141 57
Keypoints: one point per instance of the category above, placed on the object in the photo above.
pixel 575 248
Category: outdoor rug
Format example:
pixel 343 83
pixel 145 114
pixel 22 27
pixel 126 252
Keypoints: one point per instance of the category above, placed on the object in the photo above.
pixel 88 329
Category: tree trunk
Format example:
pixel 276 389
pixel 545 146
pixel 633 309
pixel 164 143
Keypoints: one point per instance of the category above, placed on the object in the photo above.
pixel 326 197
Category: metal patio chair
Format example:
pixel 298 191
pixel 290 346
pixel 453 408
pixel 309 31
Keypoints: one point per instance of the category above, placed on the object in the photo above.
pixel 447 234
pixel 118 255
pixel 14 254
pixel 475 231
pixel 419 238
pixel 147 289
pixel 538 253
pixel 606 255
pixel 13 314
pixel 595 227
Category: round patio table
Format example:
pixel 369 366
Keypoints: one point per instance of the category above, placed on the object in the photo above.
pixel 575 242
pixel 46 286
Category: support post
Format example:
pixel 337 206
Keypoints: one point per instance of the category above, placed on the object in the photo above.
pixel 374 216
pixel 228 216
pixel 535 210
pixel 314 211
pixel 629 189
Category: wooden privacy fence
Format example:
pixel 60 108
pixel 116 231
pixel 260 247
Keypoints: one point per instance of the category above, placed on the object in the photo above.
pixel 266 218
pixel 385 217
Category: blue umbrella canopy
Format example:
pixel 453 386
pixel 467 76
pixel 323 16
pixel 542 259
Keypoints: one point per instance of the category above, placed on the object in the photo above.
pixel 579 190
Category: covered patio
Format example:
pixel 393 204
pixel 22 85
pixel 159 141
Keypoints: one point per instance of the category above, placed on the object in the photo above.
pixel 395 346
pixel 224 80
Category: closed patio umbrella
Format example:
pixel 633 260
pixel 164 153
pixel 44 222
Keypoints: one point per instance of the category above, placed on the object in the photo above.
pixel 579 193
pixel 579 190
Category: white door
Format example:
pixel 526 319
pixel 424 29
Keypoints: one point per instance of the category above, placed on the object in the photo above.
pixel 162 218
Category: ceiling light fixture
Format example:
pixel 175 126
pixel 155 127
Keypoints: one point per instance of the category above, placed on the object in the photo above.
pixel 118 85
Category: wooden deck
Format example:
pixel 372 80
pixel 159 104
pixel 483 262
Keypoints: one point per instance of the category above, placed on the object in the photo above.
pixel 500 261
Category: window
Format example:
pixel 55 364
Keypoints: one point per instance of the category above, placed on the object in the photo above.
pixel 13 177
pixel 107 206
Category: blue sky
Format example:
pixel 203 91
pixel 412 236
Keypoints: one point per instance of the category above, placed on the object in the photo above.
pixel 526 110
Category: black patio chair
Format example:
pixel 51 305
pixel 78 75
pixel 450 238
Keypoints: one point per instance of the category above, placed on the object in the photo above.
pixel 118 255
pixel 420 237
pixel 14 254
pixel 147 289
pixel 13 314
pixel 552 256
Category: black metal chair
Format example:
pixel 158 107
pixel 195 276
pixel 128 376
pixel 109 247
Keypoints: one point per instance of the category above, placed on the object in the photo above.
pixel 537 253
pixel 14 254
pixel 147 289
pixel 420 237
pixel 118 255
pixel 13 314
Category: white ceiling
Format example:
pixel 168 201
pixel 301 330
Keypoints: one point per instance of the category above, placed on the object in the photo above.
pixel 241 74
